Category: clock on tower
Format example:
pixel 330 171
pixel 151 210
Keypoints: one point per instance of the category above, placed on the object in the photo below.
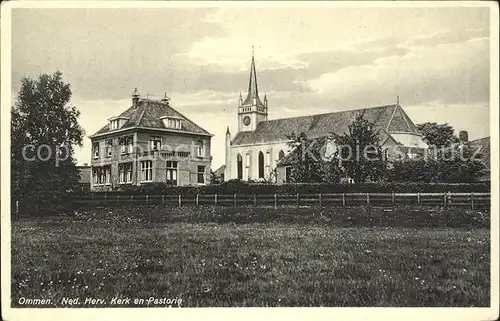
pixel 246 120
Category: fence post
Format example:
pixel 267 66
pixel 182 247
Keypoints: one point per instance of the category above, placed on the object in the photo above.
pixel 418 198
pixel 118 199
pixel 234 199
pixel 393 199
pixel 320 200
pixel 105 197
pixel 254 199
pixel 215 199
pixel 368 199
pixel 180 200
pixel 147 198
pixel 298 200
pixel 132 198
pixel 445 199
pixel 17 208
pixel 197 199
pixel 472 200
pixel 275 200
pixel 163 199
pixel 343 199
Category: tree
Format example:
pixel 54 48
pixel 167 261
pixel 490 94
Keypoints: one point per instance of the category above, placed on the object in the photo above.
pixel 437 135
pixel 306 161
pixel 44 132
pixel 455 164
pixel 360 151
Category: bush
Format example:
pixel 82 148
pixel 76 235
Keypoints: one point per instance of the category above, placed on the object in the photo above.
pixel 241 187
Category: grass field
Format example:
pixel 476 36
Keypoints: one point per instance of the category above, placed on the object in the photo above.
pixel 272 259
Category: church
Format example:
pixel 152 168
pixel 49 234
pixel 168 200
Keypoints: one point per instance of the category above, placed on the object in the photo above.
pixel 257 151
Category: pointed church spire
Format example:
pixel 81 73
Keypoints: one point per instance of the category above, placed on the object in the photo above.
pixel 253 92
pixel 227 131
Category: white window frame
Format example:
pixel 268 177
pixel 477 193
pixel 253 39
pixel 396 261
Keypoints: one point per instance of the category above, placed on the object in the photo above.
pixel 198 173
pixel 155 140
pixel 109 147
pixel 172 169
pixel 147 171
pixel 125 173
pixel 95 150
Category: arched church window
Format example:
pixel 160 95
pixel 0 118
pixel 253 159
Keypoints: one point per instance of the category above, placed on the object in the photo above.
pixel 281 155
pixel 261 165
pixel 239 162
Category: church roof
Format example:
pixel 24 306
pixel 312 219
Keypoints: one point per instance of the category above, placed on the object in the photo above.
pixel 391 118
pixel 148 114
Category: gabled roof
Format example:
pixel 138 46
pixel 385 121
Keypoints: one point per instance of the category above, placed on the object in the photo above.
pixel 391 117
pixel 484 144
pixel 220 170
pixel 148 114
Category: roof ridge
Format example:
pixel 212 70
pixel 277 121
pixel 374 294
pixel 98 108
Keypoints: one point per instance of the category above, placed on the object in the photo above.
pixel 324 114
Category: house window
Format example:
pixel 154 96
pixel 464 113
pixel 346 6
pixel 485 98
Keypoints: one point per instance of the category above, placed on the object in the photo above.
pixel 126 144
pixel 147 171
pixel 101 175
pixel 125 173
pixel 95 150
pixel 201 174
pixel 200 149
pixel 109 147
pixel 239 162
pixel 172 173
pixel 155 142
pixel 281 154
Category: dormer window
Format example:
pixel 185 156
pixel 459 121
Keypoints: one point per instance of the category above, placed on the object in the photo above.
pixel 172 122
pixel 117 122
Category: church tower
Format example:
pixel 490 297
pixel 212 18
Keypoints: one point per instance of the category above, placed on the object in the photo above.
pixel 252 110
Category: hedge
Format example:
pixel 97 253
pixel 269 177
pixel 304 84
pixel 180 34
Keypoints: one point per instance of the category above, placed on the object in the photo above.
pixel 240 187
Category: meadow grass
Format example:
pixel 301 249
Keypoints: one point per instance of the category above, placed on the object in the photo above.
pixel 270 262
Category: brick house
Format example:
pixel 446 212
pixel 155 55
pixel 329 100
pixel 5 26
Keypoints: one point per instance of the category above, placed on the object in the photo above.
pixel 147 143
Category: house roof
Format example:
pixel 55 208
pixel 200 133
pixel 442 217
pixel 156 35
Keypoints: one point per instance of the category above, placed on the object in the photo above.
pixel 84 172
pixel 220 170
pixel 148 114
pixel 484 145
pixel 392 118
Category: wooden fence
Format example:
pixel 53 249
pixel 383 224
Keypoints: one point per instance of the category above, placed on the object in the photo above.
pixel 470 200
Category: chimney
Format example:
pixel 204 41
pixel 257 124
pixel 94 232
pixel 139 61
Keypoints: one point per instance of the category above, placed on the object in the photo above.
pixel 135 98
pixel 463 136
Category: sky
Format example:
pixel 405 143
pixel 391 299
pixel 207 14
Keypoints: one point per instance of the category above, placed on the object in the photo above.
pixel 309 60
